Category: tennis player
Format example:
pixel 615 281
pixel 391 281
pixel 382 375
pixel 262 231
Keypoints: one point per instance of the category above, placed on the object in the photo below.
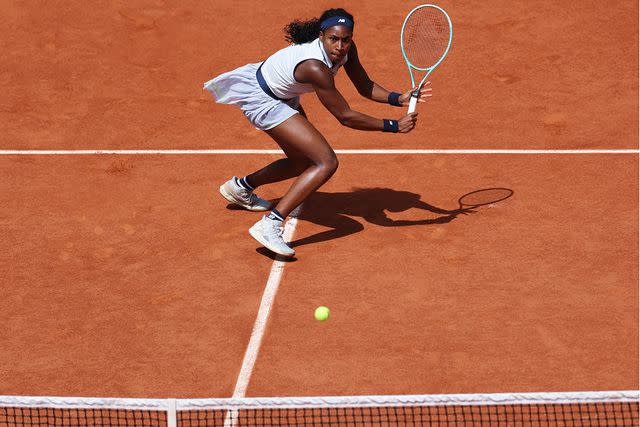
pixel 269 92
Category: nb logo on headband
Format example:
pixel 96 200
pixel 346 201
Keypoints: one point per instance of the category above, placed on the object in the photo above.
pixel 341 20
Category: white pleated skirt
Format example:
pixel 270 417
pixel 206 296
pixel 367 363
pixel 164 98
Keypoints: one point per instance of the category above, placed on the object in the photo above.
pixel 240 87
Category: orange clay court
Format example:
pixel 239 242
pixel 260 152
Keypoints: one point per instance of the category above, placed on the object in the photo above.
pixel 125 274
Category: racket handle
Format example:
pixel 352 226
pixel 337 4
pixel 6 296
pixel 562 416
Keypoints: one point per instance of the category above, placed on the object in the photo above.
pixel 412 103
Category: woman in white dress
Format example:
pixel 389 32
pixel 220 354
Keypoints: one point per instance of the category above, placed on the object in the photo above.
pixel 269 95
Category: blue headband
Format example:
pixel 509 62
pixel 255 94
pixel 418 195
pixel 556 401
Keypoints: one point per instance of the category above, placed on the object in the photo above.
pixel 336 20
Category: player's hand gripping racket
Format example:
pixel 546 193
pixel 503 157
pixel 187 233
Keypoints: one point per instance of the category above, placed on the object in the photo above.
pixel 425 40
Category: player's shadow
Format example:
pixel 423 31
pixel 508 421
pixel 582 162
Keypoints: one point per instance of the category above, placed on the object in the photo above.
pixel 335 211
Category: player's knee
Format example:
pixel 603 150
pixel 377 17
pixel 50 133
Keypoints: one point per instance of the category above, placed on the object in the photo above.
pixel 330 164
pixel 334 164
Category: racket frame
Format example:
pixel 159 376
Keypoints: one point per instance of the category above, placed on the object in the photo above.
pixel 507 194
pixel 414 95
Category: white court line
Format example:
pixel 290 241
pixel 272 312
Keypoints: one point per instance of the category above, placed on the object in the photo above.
pixel 230 151
pixel 268 297
pixel 260 325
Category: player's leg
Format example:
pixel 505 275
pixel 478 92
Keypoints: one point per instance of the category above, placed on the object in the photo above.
pixel 283 169
pixel 240 191
pixel 280 170
pixel 308 149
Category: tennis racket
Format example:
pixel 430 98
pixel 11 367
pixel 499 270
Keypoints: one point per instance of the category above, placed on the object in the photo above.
pixel 425 40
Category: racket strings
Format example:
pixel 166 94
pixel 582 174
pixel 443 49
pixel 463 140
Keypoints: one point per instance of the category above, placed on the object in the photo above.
pixel 426 37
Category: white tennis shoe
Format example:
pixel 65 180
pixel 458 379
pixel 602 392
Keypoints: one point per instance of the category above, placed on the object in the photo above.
pixel 240 196
pixel 269 233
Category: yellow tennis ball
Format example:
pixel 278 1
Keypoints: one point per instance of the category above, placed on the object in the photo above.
pixel 322 313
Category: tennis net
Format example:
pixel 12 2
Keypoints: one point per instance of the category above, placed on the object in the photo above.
pixel 613 408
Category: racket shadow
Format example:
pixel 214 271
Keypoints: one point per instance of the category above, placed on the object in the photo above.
pixel 337 211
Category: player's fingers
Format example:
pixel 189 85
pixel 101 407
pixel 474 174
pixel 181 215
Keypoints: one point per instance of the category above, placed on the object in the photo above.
pixel 421 86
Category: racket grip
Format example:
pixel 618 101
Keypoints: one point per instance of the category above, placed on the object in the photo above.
pixel 412 104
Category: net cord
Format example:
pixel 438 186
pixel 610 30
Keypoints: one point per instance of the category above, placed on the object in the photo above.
pixel 176 405
pixel 413 400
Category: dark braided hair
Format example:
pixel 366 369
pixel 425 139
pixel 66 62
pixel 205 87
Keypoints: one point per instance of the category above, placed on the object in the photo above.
pixel 298 32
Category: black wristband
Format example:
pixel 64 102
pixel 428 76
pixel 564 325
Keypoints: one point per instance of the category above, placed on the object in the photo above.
pixel 394 99
pixel 390 125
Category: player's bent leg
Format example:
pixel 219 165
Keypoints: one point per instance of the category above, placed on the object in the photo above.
pixel 290 167
pixel 277 171
pixel 301 140
pixel 307 148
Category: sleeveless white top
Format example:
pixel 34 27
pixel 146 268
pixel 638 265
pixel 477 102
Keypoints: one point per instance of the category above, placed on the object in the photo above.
pixel 278 68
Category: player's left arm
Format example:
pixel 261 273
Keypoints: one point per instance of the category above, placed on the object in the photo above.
pixel 370 89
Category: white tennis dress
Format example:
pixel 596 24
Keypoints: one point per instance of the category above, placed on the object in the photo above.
pixel 275 98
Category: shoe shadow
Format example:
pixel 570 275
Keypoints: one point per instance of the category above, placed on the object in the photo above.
pixel 234 207
pixel 266 252
pixel 336 211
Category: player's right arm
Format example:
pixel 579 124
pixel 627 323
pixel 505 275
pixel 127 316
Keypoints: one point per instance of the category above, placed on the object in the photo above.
pixel 320 77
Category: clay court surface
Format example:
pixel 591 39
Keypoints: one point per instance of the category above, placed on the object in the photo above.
pixel 127 275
